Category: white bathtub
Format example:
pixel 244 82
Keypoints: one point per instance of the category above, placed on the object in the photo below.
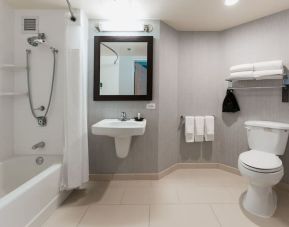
pixel 28 190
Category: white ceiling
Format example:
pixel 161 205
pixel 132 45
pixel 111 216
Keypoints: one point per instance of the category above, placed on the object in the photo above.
pixel 183 15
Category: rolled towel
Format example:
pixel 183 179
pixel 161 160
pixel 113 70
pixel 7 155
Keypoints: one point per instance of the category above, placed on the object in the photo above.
pixel 269 74
pixel 268 65
pixel 190 129
pixel 247 75
pixel 209 128
pixel 242 68
pixel 199 128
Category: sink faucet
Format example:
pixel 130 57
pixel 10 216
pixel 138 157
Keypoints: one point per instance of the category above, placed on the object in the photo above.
pixel 123 116
pixel 38 145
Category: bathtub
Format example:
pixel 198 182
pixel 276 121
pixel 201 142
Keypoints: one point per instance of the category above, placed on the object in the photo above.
pixel 28 191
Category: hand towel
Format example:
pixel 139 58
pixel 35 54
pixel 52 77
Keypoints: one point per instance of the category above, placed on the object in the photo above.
pixel 247 75
pixel 268 65
pixel 242 68
pixel 230 104
pixel 189 129
pixel 209 128
pixel 199 128
pixel 269 74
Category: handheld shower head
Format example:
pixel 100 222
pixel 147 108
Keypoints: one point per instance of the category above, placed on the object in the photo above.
pixel 36 40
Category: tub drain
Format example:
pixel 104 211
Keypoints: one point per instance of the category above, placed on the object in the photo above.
pixel 39 160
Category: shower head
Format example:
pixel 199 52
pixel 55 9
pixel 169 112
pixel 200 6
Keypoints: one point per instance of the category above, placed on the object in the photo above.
pixel 36 40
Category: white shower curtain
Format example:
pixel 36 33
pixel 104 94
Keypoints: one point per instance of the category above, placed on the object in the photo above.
pixel 75 160
pixel 75 123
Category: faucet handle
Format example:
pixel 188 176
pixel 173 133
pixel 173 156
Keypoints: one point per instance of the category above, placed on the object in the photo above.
pixel 123 116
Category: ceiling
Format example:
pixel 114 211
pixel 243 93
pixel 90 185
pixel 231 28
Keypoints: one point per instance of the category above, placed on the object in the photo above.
pixel 183 15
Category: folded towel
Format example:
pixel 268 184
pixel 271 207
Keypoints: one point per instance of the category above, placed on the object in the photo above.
pixel 268 65
pixel 199 128
pixel 269 74
pixel 189 129
pixel 242 68
pixel 209 128
pixel 247 75
pixel 230 104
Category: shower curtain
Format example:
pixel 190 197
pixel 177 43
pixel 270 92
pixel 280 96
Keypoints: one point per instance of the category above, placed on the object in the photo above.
pixel 75 160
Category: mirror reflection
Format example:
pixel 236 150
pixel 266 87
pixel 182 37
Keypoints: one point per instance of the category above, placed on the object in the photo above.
pixel 123 68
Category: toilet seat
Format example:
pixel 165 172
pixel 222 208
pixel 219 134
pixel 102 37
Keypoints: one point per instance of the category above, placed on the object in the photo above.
pixel 260 161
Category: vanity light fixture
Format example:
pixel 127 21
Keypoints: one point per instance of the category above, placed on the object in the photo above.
pixel 109 26
pixel 231 2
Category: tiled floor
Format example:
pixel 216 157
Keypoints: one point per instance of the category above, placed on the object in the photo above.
pixel 185 198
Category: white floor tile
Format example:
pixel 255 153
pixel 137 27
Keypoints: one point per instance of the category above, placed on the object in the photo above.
pixel 66 217
pixel 182 216
pixel 116 216
pixel 189 193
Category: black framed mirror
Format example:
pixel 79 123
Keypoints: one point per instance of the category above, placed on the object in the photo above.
pixel 123 68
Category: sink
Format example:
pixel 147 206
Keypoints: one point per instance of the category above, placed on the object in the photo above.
pixel 122 131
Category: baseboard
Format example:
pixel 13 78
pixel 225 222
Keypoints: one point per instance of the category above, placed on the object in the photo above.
pixel 229 169
pixel 153 176
pixel 46 212
pixel 159 175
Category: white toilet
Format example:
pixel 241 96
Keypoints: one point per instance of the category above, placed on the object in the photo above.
pixel 262 166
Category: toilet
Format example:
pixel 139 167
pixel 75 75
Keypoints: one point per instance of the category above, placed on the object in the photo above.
pixel 262 166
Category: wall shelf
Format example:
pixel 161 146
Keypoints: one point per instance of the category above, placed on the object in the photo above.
pixel 3 94
pixel 11 67
pixel 284 87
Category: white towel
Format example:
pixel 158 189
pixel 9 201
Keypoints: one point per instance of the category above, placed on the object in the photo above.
pixel 209 128
pixel 199 128
pixel 242 68
pixel 247 75
pixel 268 65
pixel 190 129
pixel 269 74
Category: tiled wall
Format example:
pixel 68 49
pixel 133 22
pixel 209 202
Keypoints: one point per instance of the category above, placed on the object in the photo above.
pixel 26 130
pixel 6 80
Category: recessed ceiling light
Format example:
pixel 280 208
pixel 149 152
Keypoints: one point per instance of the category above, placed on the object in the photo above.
pixel 231 2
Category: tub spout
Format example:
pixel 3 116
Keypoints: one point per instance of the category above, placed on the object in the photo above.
pixel 38 145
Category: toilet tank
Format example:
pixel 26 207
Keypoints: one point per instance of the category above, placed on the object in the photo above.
pixel 267 136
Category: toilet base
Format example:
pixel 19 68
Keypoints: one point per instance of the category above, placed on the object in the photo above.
pixel 260 201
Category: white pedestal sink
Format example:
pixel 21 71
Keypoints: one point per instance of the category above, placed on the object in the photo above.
pixel 122 131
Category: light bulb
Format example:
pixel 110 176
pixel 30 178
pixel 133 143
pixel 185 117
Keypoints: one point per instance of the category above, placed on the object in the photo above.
pixel 231 2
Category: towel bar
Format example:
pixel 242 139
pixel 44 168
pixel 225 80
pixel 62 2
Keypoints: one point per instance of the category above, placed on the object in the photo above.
pixel 182 121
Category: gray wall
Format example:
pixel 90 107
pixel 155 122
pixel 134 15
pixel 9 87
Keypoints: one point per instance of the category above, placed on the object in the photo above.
pixel 143 156
pixel 200 89
pixel 204 62
pixel 168 141
pixel 264 39
pixel 189 79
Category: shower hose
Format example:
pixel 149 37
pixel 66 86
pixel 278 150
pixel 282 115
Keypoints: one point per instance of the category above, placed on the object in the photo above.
pixel 42 120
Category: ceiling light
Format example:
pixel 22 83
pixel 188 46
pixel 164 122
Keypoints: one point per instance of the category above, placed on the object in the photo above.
pixel 231 2
pixel 109 26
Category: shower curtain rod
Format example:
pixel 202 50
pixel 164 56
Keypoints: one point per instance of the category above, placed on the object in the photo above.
pixel 72 17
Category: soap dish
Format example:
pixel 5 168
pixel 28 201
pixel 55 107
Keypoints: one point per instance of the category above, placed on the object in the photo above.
pixel 138 119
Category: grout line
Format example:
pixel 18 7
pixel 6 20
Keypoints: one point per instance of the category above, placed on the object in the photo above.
pixel 82 216
pixel 149 222
pixel 215 215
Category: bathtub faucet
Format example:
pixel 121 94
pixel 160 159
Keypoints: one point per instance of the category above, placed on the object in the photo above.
pixel 38 145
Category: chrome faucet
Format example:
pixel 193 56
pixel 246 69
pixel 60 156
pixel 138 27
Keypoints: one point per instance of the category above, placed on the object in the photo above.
pixel 38 145
pixel 123 116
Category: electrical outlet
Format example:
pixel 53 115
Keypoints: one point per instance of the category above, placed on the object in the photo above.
pixel 151 106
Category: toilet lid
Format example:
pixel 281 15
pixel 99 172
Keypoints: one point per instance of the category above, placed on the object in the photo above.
pixel 260 160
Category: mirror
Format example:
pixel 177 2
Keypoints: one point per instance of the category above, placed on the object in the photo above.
pixel 123 68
